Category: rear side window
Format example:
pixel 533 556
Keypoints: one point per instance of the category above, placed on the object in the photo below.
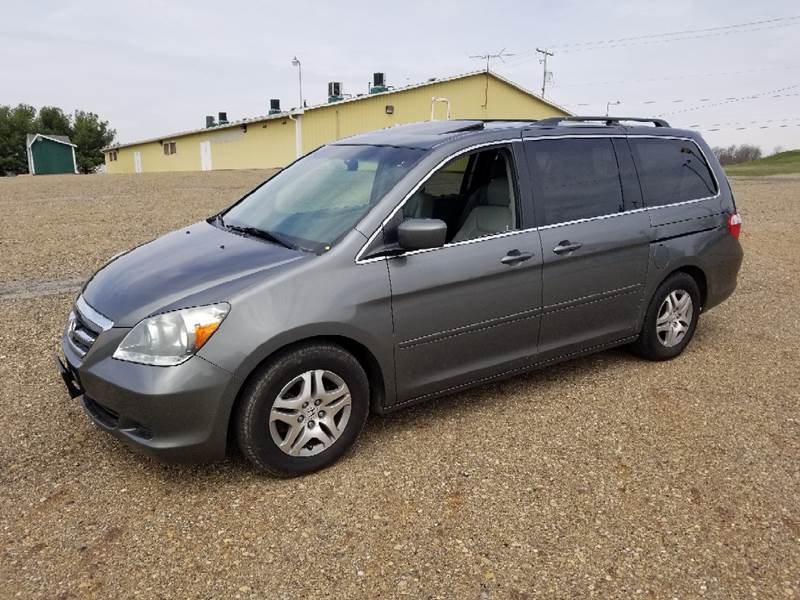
pixel 671 171
pixel 574 179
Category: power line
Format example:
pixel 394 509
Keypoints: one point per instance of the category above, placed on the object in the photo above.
pixel 681 38
pixel 749 127
pixel 683 32
pixel 679 77
pixel 674 36
pixel 752 124
pixel 524 59
pixel 698 100
pixel 781 92
pixel 777 93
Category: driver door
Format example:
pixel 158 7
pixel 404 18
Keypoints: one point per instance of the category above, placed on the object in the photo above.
pixel 470 309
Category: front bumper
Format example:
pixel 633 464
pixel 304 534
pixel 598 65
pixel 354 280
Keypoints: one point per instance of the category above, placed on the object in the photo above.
pixel 176 414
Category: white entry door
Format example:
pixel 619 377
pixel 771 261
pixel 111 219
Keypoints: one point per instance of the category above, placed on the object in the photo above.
pixel 205 156
pixel 137 162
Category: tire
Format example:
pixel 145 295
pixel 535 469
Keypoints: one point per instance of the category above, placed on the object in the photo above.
pixel 286 426
pixel 660 340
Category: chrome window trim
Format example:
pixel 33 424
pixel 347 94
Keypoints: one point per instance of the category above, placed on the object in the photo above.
pixel 484 238
pixel 363 261
pixel 90 314
pixel 588 219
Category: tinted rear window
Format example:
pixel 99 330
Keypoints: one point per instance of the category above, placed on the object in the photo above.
pixel 671 171
pixel 574 179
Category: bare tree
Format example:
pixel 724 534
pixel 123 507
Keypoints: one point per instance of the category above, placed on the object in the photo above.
pixel 737 154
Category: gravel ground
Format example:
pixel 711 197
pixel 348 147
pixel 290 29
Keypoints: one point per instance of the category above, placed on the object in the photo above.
pixel 65 227
pixel 602 477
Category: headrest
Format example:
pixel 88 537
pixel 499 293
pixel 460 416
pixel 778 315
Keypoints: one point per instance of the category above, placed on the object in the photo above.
pixel 497 192
pixel 498 167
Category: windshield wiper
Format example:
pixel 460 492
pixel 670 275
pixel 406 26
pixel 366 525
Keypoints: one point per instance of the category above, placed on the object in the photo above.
pixel 258 233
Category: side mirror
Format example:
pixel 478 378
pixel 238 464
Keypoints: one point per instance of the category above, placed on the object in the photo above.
pixel 421 234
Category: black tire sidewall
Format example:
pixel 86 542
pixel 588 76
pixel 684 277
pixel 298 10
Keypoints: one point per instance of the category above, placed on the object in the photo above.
pixel 254 437
pixel 648 345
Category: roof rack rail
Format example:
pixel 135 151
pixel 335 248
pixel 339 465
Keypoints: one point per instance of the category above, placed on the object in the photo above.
pixel 553 121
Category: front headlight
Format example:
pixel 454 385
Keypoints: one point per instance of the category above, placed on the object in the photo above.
pixel 171 338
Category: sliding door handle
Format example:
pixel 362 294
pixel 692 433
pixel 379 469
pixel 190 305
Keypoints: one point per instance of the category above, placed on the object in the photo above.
pixel 564 247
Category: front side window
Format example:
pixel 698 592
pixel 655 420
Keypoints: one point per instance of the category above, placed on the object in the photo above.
pixel 574 179
pixel 321 197
pixel 671 171
pixel 473 194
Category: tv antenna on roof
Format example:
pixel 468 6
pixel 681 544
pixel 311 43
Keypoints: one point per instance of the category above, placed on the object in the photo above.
pixel 487 57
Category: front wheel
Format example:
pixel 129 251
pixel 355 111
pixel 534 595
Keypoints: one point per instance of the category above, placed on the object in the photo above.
pixel 303 410
pixel 671 319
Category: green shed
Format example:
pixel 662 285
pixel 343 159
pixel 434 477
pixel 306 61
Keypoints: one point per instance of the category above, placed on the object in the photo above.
pixel 49 154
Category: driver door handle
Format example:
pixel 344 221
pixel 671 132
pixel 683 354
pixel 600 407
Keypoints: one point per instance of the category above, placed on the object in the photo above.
pixel 515 256
pixel 566 246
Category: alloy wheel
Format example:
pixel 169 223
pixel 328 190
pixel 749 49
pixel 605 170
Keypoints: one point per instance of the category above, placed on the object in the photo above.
pixel 310 413
pixel 674 318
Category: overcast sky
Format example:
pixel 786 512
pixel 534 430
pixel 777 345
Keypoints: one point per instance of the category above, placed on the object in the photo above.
pixel 151 68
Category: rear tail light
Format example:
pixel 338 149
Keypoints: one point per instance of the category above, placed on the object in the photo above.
pixel 735 224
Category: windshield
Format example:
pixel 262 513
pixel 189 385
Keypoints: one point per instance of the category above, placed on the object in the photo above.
pixel 315 201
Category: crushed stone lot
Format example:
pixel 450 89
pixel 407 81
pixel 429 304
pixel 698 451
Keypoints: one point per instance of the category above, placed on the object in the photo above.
pixel 601 477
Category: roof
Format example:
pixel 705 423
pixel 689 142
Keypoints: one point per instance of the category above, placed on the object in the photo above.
pixel 59 139
pixel 292 112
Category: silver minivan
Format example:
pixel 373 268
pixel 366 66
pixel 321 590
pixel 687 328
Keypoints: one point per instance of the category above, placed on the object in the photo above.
pixel 392 267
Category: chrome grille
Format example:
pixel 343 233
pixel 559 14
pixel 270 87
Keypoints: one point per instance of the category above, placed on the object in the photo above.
pixel 85 324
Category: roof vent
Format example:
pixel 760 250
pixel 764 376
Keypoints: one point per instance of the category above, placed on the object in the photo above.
pixel 335 91
pixel 223 118
pixel 274 106
pixel 210 121
pixel 378 83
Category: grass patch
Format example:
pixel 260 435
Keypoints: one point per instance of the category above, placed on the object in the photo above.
pixel 783 163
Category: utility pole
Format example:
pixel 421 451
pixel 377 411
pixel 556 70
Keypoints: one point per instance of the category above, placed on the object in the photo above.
pixel 545 53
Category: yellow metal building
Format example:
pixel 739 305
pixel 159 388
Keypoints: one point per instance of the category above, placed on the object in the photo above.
pixel 276 140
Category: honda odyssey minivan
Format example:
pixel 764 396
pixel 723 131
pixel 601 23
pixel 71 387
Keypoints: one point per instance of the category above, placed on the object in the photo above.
pixel 392 267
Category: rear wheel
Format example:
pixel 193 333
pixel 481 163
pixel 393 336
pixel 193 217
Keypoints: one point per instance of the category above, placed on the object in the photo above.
pixel 671 319
pixel 303 410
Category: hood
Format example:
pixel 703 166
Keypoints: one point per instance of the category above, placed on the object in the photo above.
pixel 194 265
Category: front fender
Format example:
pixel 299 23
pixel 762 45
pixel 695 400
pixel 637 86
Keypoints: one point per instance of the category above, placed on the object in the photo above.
pixel 318 299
